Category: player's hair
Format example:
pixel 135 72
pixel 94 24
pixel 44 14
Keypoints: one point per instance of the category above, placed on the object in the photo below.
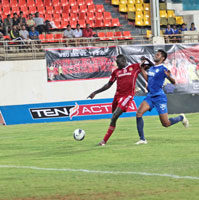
pixel 121 56
pixel 164 53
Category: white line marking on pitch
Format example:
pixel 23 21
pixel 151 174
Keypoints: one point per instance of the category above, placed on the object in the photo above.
pixel 100 172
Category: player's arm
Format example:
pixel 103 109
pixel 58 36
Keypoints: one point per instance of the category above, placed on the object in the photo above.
pixel 168 74
pixel 143 71
pixel 102 89
pixel 150 63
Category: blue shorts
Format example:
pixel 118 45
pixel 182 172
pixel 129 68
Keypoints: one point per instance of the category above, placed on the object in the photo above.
pixel 159 102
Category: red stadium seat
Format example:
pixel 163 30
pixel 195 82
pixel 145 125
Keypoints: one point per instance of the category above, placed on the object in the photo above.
pixel 42 38
pixel 6 10
pixel 102 36
pixel 91 23
pixel 107 15
pixel 99 8
pixel 49 10
pixel 39 3
pixel 90 16
pixel 56 17
pixel 32 9
pixel 80 2
pixel 64 3
pixel 64 24
pixel 110 36
pixel 115 22
pixel 127 35
pixel 31 3
pixel 98 16
pixel 41 10
pixel 56 3
pixel 118 35
pixel 58 37
pixel 15 10
pixel 57 24
pixel 82 23
pixel 91 8
pixel 24 10
pixel 74 9
pixel 72 2
pixel 48 17
pixel 58 9
pixel 73 17
pixel 73 24
pixel 89 2
pixel 82 16
pixel 83 8
pixel 107 23
pixel 66 9
pixel 50 38
pixel 65 17
pixel 99 23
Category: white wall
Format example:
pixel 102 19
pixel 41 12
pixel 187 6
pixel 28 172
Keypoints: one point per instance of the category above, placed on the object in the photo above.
pixel 25 82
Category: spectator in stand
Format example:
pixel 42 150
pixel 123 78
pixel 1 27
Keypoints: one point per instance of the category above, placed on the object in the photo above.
pixel 176 37
pixel 40 25
pixel 14 33
pixel 193 28
pixel 87 32
pixel 183 28
pixel 22 19
pixel 169 31
pixel 7 24
pixel 30 22
pixel 34 35
pixel 77 34
pixel 1 25
pixel 15 19
pixel 68 33
pixel 24 34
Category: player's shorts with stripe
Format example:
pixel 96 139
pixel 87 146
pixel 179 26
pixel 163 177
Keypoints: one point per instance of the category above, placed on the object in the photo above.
pixel 159 102
pixel 121 102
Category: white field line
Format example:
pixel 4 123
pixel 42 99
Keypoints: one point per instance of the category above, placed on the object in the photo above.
pixel 101 172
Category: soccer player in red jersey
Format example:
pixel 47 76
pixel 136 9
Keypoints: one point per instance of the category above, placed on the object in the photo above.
pixel 126 76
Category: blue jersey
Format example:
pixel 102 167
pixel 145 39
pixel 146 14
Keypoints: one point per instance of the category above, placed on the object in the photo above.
pixel 156 77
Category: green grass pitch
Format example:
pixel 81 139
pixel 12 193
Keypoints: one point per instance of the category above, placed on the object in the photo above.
pixel 44 162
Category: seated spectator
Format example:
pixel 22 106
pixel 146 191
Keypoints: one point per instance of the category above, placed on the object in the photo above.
pixel 1 25
pixel 183 28
pixel 14 33
pixel 87 32
pixel 176 37
pixel 15 19
pixel 7 24
pixel 193 28
pixel 68 33
pixel 24 34
pixel 30 22
pixel 34 35
pixel 169 31
pixel 22 19
pixel 40 25
pixel 77 34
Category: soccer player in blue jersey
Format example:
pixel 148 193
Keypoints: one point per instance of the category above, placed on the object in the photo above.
pixel 156 96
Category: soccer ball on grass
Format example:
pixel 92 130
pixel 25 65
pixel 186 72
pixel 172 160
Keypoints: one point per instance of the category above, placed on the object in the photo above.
pixel 79 134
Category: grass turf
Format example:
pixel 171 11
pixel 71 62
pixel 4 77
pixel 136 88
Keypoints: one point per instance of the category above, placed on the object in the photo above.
pixel 173 150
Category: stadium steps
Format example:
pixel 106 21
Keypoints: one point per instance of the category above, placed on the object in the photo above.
pixel 115 14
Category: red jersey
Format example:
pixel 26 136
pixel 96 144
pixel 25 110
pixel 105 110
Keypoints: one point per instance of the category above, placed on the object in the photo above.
pixel 126 79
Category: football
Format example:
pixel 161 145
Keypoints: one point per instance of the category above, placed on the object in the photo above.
pixel 79 134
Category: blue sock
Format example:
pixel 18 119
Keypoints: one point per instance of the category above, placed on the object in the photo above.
pixel 176 119
pixel 140 127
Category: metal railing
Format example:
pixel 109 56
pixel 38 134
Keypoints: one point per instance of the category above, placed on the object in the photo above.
pixel 30 49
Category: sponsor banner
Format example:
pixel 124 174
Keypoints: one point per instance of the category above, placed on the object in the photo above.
pixel 80 63
pixel 182 61
pixel 66 111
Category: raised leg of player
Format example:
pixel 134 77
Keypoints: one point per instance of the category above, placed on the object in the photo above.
pixel 118 111
pixel 166 122
pixel 140 123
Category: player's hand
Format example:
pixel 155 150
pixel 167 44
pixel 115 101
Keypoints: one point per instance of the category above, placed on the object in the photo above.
pixel 91 96
pixel 167 72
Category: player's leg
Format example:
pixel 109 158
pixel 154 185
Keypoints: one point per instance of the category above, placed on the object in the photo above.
pixel 166 122
pixel 140 122
pixel 118 111
pixel 161 107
